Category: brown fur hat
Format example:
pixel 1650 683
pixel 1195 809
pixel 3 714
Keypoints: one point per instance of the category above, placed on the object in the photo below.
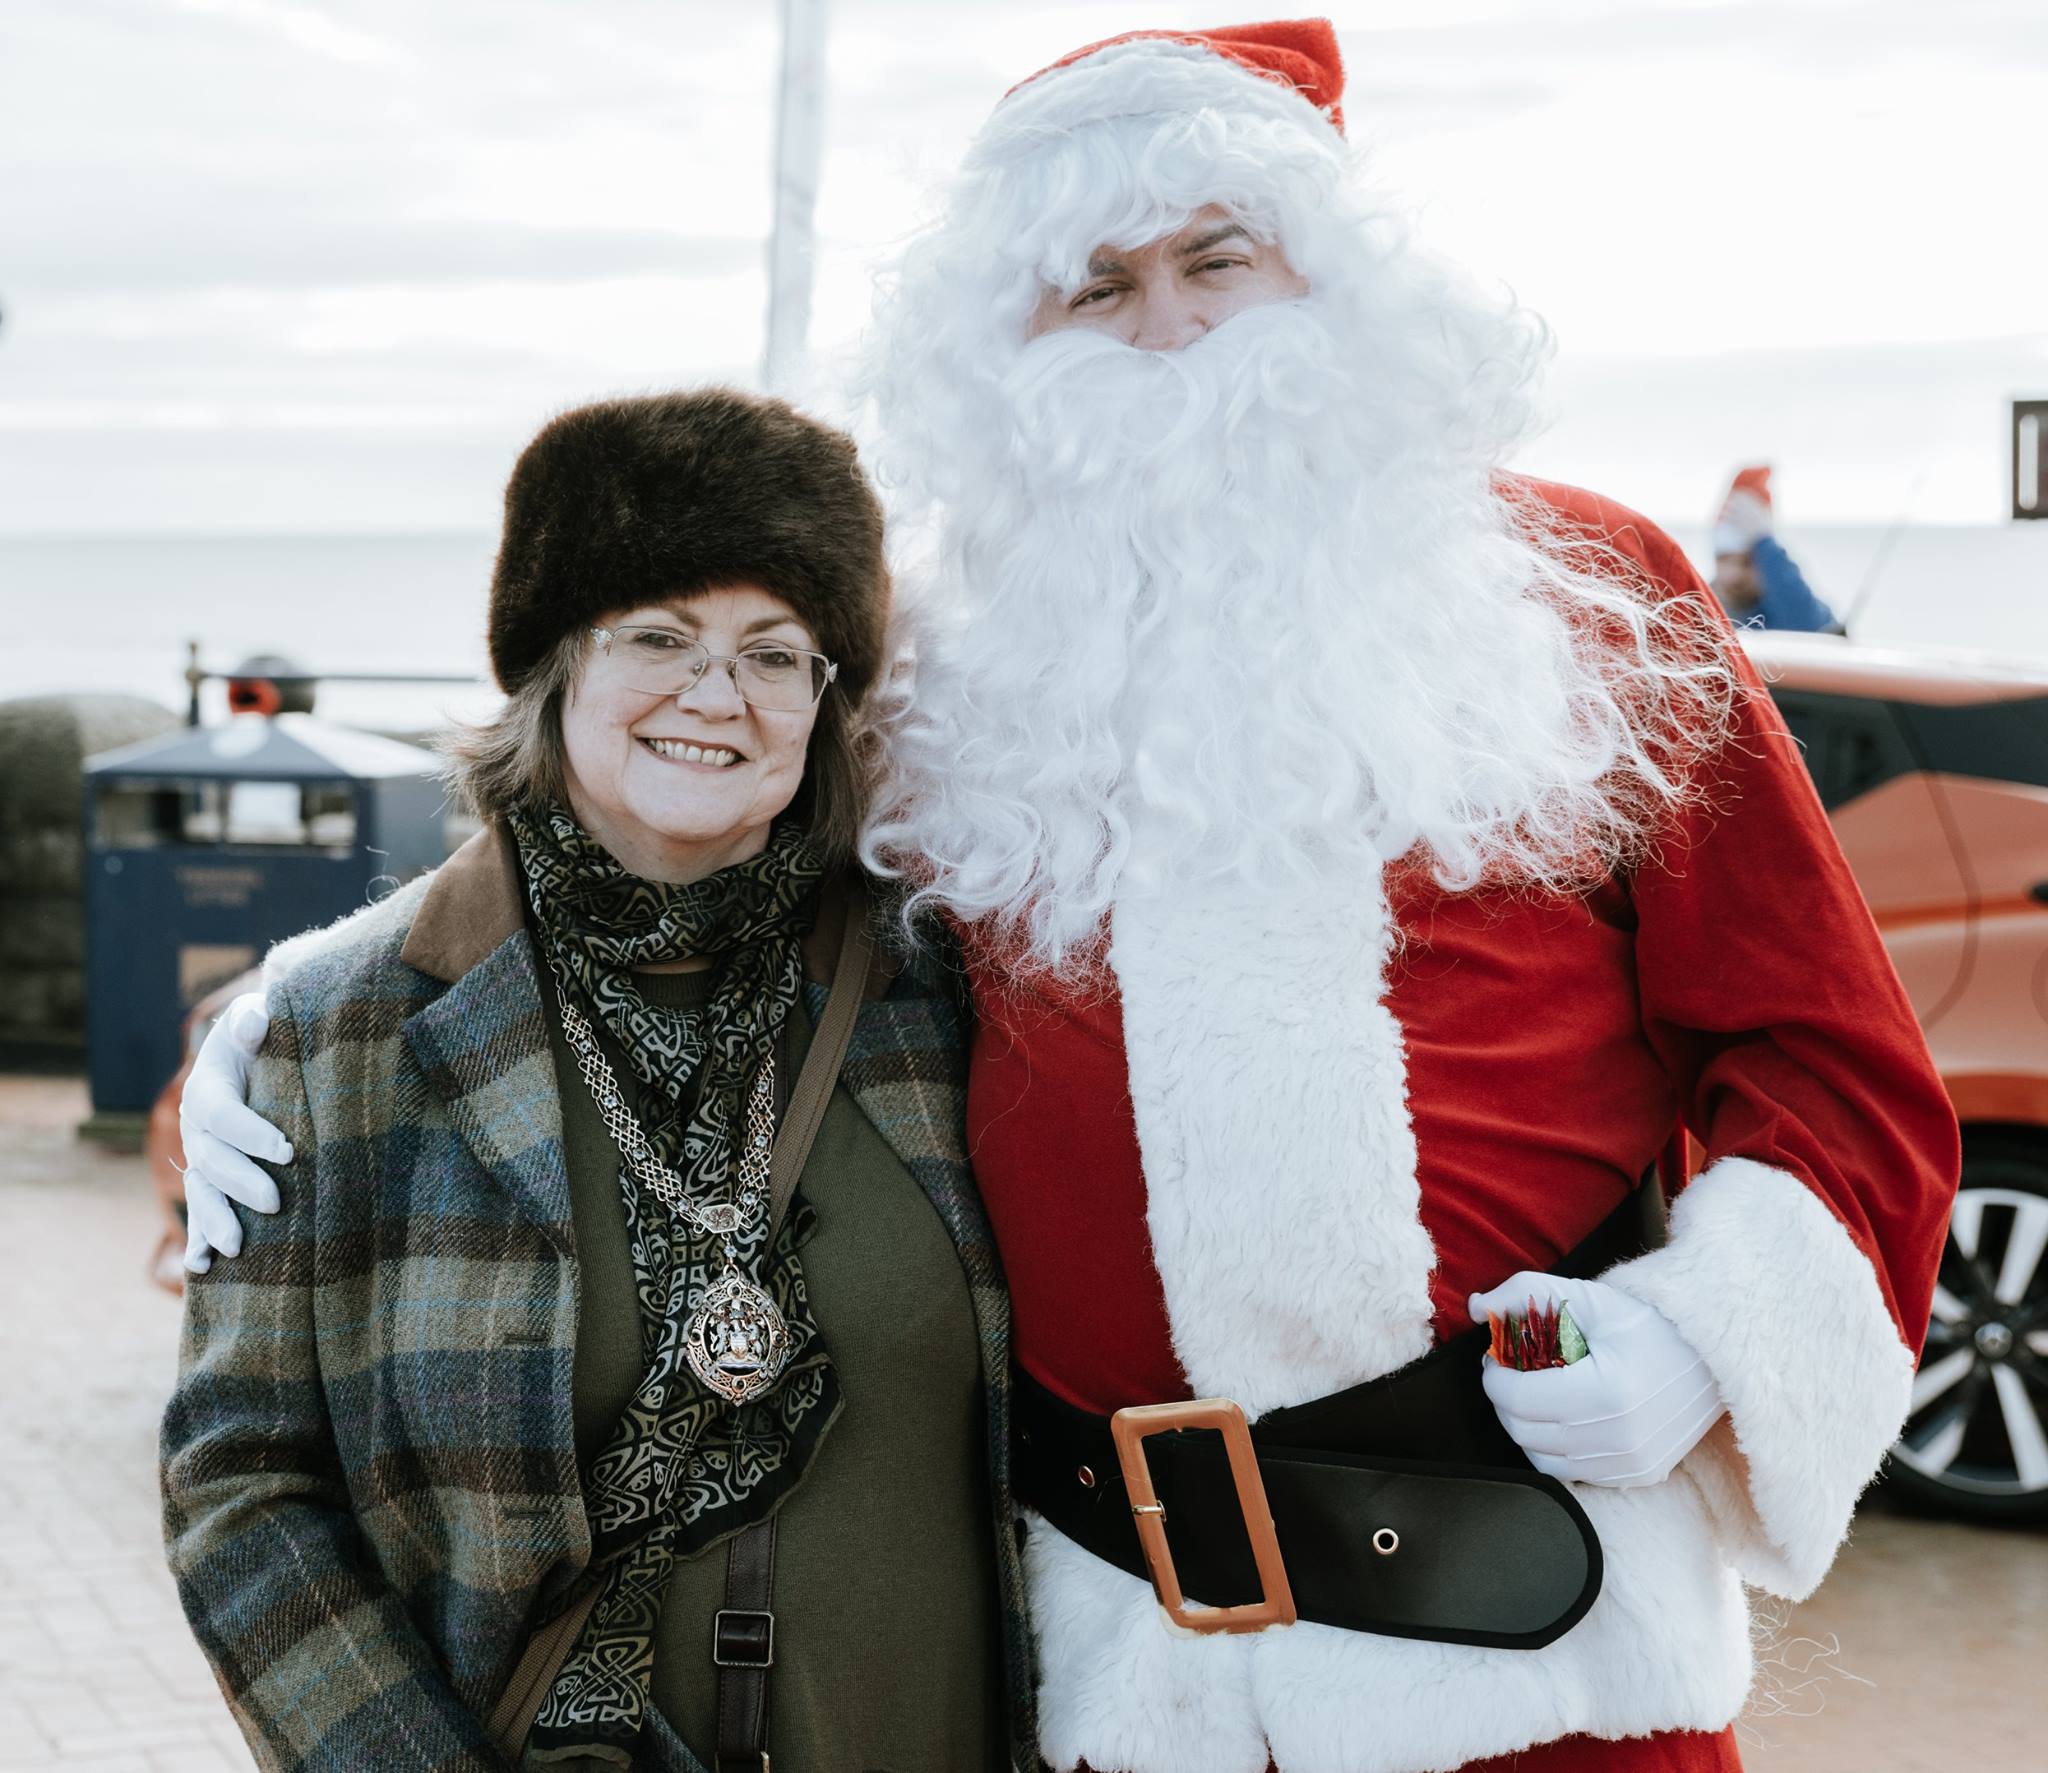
pixel 634 501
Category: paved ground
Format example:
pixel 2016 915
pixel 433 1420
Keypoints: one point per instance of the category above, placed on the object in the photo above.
pixel 1922 1654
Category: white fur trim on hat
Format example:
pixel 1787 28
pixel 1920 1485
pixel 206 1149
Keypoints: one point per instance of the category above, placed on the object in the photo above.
pixel 1148 77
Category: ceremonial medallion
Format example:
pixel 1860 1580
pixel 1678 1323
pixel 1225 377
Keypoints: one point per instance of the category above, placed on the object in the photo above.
pixel 735 1340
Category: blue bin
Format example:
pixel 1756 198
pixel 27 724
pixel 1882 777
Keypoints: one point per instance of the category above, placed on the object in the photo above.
pixel 207 845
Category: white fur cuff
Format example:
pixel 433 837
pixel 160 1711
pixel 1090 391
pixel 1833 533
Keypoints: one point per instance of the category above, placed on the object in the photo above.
pixel 1785 1309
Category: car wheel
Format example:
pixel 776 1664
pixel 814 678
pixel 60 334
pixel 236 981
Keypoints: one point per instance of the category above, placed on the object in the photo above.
pixel 1975 1442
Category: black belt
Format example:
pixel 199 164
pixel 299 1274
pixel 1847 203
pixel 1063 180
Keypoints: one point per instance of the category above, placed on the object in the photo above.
pixel 1468 1546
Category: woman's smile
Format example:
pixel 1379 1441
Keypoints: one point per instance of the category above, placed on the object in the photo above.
pixel 689 752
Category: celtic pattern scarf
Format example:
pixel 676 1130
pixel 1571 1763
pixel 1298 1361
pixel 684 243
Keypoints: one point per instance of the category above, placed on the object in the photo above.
pixel 684 1467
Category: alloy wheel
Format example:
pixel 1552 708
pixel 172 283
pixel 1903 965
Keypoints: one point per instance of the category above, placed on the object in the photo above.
pixel 1976 1437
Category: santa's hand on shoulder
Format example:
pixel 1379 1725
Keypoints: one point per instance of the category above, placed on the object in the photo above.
pixel 1626 1413
pixel 221 1133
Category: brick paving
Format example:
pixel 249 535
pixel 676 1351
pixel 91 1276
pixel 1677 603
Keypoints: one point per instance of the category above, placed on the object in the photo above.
pixel 97 1669
pixel 1922 1654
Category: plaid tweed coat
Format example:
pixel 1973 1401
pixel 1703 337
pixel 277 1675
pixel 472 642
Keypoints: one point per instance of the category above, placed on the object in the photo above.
pixel 369 1472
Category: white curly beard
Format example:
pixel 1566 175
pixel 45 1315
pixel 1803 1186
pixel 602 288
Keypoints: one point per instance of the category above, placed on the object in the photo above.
pixel 1250 609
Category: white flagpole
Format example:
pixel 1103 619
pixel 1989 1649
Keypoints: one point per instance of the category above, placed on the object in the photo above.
pixel 799 147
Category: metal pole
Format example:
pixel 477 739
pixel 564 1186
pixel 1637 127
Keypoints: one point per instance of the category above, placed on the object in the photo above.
pixel 799 147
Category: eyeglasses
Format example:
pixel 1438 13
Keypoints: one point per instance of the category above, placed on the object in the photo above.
pixel 780 679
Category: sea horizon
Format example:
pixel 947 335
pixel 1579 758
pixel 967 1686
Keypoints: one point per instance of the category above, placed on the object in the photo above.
pixel 114 611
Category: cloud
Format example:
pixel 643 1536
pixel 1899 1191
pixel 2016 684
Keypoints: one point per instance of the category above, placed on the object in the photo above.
pixel 306 28
pixel 1831 36
pixel 235 242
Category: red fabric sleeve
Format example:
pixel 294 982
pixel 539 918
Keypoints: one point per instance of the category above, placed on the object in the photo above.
pixel 1772 1003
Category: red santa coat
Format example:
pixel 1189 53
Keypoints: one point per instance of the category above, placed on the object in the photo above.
pixel 1274 1154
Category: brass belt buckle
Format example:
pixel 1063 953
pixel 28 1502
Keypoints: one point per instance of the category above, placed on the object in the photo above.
pixel 1131 1427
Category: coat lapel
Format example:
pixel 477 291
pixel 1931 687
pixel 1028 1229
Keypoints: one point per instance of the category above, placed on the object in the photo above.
pixel 483 1043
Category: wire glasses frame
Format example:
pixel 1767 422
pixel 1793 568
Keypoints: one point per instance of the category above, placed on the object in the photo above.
pixel 769 675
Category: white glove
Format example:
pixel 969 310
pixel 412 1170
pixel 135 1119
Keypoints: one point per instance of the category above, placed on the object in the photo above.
pixel 1624 1415
pixel 218 1127
pixel 1744 521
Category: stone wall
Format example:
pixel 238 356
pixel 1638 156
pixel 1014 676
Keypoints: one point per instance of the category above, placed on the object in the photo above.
pixel 44 742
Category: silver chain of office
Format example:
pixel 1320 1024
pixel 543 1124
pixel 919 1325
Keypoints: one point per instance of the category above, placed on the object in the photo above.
pixel 736 1339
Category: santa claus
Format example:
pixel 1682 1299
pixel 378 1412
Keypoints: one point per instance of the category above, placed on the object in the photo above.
pixel 1366 861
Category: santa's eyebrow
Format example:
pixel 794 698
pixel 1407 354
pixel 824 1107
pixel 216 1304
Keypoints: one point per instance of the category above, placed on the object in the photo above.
pixel 1107 264
pixel 1214 237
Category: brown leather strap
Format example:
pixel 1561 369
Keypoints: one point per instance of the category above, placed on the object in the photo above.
pixel 743 1648
pixel 511 1720
pixel 829 1040
pixel 743 1634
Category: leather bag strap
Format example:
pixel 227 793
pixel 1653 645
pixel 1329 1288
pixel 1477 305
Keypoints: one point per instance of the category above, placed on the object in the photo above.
pixel 743 1634
pixel 743 1647
pixel 829 1041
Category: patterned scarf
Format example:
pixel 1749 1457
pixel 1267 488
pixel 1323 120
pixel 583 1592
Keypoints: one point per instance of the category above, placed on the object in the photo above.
pixel 684 1467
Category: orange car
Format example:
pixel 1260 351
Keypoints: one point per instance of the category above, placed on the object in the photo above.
pixel 1934 768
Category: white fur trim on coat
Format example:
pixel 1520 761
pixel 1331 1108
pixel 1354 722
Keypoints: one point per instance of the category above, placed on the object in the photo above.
pixel 1766 1283
pixel 1270 1091
pixel 1150 77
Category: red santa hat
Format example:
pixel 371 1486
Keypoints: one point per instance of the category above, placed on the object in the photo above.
pixel 1746 516
pixel 1289 69
pixel 1754 481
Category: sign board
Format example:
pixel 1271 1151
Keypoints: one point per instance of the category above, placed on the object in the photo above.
pixel 2029 459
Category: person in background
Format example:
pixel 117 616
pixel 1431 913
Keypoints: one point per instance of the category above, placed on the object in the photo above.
pixel 1758 583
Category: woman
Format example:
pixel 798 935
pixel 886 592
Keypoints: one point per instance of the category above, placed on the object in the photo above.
pixel 527 1422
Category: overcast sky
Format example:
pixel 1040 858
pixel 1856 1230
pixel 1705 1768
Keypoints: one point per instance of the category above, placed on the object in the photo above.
pixel 307 265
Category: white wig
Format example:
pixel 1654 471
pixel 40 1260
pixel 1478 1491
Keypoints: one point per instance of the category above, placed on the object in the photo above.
pixel 1261 605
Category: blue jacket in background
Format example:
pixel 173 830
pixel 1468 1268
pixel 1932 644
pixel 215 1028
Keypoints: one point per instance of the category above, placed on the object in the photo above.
pixel 1786 600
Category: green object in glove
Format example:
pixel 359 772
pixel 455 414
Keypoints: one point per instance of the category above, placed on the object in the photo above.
pixel 1542 1336
pixel 1571 1340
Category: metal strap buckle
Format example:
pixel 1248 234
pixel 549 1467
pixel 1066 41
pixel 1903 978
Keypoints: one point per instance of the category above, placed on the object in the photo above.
pixel 742 1638
pixel 1131 1427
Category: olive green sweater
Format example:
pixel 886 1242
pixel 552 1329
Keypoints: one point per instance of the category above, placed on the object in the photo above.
pixel 886 1626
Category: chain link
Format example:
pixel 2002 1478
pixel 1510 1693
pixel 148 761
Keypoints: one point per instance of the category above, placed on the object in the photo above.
pixel 722 1219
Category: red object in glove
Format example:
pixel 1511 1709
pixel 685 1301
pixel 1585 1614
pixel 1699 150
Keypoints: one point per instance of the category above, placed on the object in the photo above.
pixel 1541 1336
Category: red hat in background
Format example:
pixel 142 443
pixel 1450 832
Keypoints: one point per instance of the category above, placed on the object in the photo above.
pixel 1300 54
pixel 1745 517
pixel 1756 481
pixel 1288 69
